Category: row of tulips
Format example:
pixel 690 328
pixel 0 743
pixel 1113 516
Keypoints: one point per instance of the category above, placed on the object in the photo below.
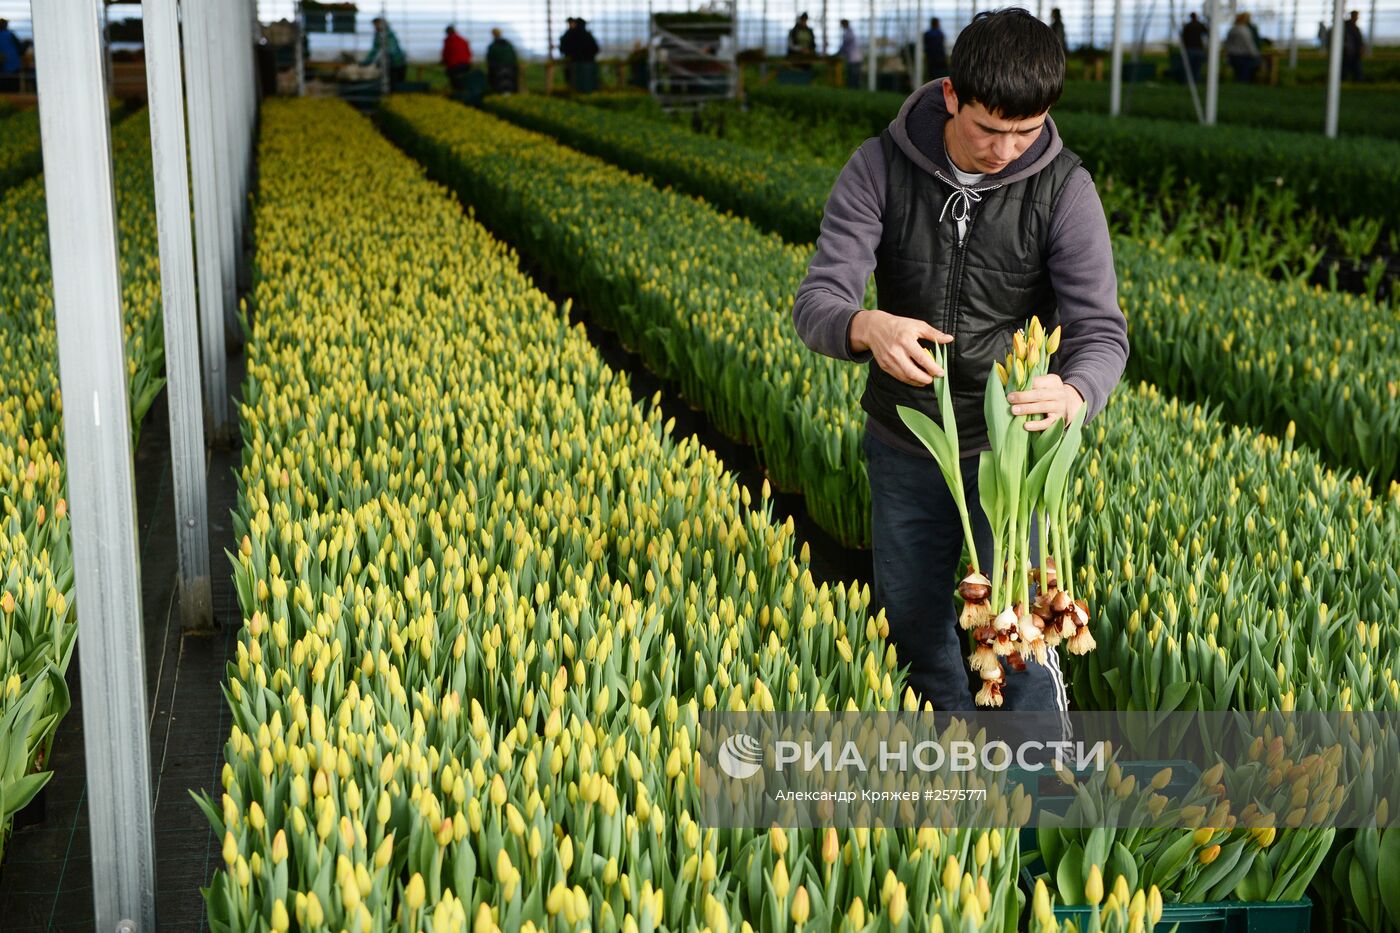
pixel 696 293
pixel 1266 230
pixel 19 147
pixel 486 595
pixel 37 615
pixel 1166 552
pixel 1188 522
pixel 1199 329
pixel 1350 177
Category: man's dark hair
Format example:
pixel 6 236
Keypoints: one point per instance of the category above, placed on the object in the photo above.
pixel 845 22
pixel 933 23
pixel 979 72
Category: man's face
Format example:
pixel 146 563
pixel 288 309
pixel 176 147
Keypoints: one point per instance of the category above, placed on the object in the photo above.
pixel 980 141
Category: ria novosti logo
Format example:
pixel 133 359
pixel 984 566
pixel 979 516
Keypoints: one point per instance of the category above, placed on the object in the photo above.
pixel 741 756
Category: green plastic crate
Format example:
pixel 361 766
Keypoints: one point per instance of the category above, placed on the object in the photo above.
pixel 1220 917
pixel 1052 795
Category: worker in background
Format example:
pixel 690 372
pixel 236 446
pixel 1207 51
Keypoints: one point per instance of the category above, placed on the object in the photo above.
pixel 384 38
pixel 1193 40
pixel 580 51
pixel 1057 26
pixel 1353 45
pixel 11 57
pixel 802 42
pixel 849 54
pixel 456 58
pixel 935 50
pixel 1241 50
pixel 502 64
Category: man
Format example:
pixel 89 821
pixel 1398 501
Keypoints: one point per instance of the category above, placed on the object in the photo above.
pixel 935 53
pixel 1057 26
pixel 1241 50
pixel 1353 44
pixel 502 64
pixel 849 54
pixel 973 217
pixel 456 58
pixel 11 58
pixel 580 53
pixel 384 38
pixel 802 42
pixel 1193 40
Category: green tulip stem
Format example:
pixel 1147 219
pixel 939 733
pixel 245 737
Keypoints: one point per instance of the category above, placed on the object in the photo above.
pixel 1043 535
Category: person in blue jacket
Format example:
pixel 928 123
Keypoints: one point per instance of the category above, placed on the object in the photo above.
pixel 11 57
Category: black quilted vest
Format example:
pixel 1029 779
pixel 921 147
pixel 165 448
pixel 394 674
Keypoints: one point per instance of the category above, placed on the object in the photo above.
pixel 980 291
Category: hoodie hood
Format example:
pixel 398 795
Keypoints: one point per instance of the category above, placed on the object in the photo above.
pixel 918 132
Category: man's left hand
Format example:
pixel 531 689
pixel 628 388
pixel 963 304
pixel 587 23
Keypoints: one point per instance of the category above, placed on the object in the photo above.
pixel 1047 396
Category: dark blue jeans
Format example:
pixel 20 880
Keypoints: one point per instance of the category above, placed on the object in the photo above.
pixel 918 544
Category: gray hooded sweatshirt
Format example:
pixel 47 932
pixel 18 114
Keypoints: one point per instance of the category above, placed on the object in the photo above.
pixel 1094 341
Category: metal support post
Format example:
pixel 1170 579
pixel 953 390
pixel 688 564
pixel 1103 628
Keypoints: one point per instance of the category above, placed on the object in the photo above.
pixel 199 77
pixel 1293 40
pixel 77 149
pixel 1334 70
pixel 1115 80
pixel 299 53
pixel 870 63
pixel 1213 63
pixel 219 52
pixel 384 62
pixel 160 22
pixel 918 44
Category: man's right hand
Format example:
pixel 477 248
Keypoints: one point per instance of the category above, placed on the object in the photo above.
pixel 894 341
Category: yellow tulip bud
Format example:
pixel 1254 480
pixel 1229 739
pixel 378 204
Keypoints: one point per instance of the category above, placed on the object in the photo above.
pixel 1093 886
pixel 279 847
pixel 899 902
pixel 415 892
pixel 280 920
pixel 780 881
pixel 801 907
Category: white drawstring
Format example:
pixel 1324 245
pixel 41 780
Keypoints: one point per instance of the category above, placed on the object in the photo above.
pixel 962 198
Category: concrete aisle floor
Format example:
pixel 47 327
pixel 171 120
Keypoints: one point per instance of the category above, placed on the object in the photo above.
pixel 46 878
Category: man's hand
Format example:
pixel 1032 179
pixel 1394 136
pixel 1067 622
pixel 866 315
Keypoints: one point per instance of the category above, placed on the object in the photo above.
pixel 1047 396
pixel 894 340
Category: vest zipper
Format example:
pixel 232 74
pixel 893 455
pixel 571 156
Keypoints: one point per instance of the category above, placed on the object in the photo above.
pixel 954 293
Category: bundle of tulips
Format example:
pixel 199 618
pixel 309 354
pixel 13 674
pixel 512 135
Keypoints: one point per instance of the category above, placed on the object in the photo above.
pixel 1025 475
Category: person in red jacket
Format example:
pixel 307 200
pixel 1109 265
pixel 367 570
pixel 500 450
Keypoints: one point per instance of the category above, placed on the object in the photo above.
pixel 456 58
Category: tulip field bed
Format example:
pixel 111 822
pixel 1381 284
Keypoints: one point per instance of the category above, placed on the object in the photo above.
pixel 1215 534
pixel 1345 178
pixel 1366 110
pixel 37 614
pixel 19 147
pixel 1198 329
pixel 1265 230
pixel 486 595
pixel 1210 533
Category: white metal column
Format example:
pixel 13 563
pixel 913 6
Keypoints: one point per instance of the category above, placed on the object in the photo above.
pixel 1293 40
pixel 919 62
pixel 300 55
pixel 160 22
pixel 870 63
pixel 224 108
pixel 1213 63
pixel 1115 80
pixel 199 95
pixel 1334 70
pixel 82 213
